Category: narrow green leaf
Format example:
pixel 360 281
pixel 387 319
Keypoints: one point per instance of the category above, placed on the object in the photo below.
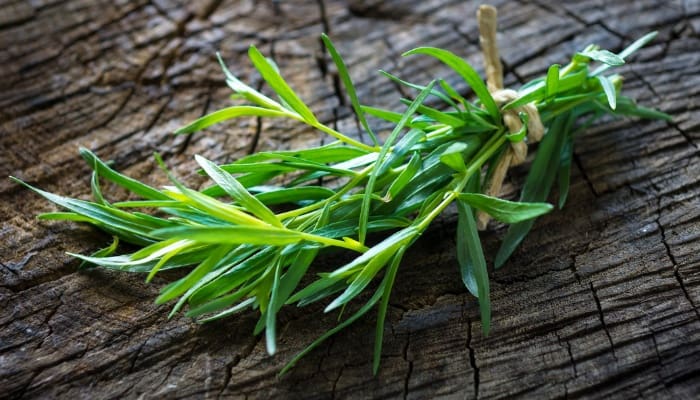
pixel 369 188
pixel 552 83
pixel 452 157
pixel 239 193
pixel 279 85
pixel 124 181
pixel 536 93
pixel 66 216
pixel 180 286
pixel 538 183
pixel 412 168
pixel 229 113
pixel 123 224
pixel 609 89
pixel 604 56
pixel 270 195
pixel 466 72
pixel 258 235
pixel 246 91
pixel 565 170
pixel 363 279
pixel 392 117
pixel 381 314
pixel 506 211
pixel 271 313
pixel 231 311
pixel 103 252
pixel 349 86
pixel 420 88
pixel 627 106
pixel 637 44
pixel 472 264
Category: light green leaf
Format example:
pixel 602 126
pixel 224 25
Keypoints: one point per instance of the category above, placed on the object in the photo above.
pixel 279 85
pixel 239 193
pixel 609 89
pixel 229 113
pixel 258 235
pixel 552 83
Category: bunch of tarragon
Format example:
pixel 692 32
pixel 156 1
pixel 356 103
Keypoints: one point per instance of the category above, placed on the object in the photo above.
pixel 249 239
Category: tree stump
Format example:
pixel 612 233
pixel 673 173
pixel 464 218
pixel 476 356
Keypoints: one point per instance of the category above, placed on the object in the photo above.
pixel 599 301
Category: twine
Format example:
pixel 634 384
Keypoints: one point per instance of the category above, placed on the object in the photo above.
pixel 517 152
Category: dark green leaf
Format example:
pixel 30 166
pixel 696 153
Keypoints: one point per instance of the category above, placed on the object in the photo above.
pixel 472 263
pixel 466 72
pixel 349 87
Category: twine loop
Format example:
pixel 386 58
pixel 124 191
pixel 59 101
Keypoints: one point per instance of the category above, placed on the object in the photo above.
pixel 523 122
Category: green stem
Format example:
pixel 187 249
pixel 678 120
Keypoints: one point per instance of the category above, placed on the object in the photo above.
pixel 345 139
pixel 491 147
pixel 346 244
pixel 311 207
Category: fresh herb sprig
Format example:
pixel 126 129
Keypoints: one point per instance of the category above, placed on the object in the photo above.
pixel 247 255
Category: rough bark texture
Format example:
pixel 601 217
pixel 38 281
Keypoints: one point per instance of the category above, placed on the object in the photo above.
pixel 600 300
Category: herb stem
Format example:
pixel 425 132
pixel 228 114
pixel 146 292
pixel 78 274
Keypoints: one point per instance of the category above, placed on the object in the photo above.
pixel 491 147
pixel 346 188
pixel 345 139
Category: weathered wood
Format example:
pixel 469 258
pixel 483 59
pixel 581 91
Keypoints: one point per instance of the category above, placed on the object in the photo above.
pixel 600 301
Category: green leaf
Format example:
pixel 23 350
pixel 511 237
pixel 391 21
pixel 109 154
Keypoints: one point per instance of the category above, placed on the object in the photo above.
pixel 629 50
pixel 609 89
pixel 369 188
pixel 120 223
pixel 180 286
pixel 270 195
pixel 271 312
pixel 604 56
pixel 627 106
pixel 239 193
pixel 362 279
pixel 349 87
pixel 103 252
pixel 246 91
pixel 552 83
pixel 472 264
pixel 381 314
pixel 420 88
pixel 229 113
pixel 258 235
pixel 506 211
pixel 538 183
pixel 565 170
pixel 412 168
pixel 452 157
pixel 466 72
pixel 536 93
pixel 124 181
pixel 279 85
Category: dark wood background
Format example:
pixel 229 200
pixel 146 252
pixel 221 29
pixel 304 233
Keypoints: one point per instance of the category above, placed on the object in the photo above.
pixel 600 301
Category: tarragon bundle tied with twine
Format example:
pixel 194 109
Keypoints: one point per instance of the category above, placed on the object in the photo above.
pixel 251 237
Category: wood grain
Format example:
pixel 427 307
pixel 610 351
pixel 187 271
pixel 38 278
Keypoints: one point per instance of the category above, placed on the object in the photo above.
pixel 600 301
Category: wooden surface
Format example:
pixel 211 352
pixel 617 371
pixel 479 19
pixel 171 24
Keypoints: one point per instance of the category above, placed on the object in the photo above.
pixel 600 301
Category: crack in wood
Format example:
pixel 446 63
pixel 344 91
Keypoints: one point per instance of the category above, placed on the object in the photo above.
pixel 472 358
pixel 601 317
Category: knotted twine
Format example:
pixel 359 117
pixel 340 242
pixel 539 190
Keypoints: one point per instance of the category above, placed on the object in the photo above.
pixel 517 152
